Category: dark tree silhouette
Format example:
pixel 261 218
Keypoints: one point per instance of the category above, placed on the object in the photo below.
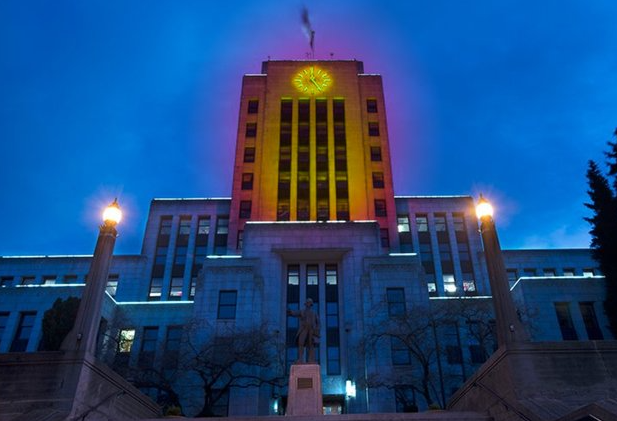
pixel 58 322
pixel 604 227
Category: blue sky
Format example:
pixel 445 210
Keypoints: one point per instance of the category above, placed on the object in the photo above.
pixel 140 100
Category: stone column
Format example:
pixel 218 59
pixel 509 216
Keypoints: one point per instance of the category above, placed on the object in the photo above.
pixel 509 327
pixel 83 336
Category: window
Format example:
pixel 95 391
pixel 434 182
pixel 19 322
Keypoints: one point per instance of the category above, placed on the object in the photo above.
pixel 564 318
pixel 4 318
pixel 165 227
pixel 148 347
pixel 588 273
pixel 591 322
pixel 568 272
pixel 478 355
pixel 193 288
pixel 6 281
pixel 431 285
pixel 396 301
pixel 253 106
pixel 247 181
pixel 49 280
pixel 112 284
pixel 400 352
pixel 249 154
pixel 373 129
pixel 312 275
pixel 440 223
pixel 384 238
pixel 125 340
pixel 203 225
pixel 251 130
pixel 469 285
pixel 380 207
pixel 245 209
pixel 172 347
pixel 185 226
pixel 220 239
pixel 463 252
pixel 156 287
pixel 529 272
pixel 378 182
pixel 454 354
pixel 402 223
pixel 371 105
pixel 28 280
pixel 375 153
pixel 160 255
pixel 549 272
pixel 458 220
pixel 24 330
pixel 422 223
pixel 227 304
pixel 444 252
pixel 449 283
pixel 240 240
pixel 180 257
pixel 331 275
pixel 70 279
pixel 175 289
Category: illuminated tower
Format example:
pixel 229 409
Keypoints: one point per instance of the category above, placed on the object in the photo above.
pixel 312 145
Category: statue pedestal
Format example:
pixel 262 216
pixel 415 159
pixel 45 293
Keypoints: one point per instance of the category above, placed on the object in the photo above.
pixel 304 396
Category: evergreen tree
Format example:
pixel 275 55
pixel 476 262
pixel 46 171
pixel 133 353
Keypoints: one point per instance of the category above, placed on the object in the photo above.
pixel 58 322
pixel 604 227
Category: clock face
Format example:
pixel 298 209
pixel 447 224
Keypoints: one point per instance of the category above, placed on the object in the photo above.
pixel 312 80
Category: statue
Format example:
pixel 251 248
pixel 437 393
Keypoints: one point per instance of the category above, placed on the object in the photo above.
pixel 308 331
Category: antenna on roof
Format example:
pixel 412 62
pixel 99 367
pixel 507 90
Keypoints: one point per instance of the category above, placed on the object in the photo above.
pixel 308 31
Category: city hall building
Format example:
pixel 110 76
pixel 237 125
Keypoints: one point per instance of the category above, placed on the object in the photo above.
pixel 312 214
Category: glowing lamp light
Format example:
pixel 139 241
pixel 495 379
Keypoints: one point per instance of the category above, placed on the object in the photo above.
pixel 484 208
pixel 112 213
pixel 350 389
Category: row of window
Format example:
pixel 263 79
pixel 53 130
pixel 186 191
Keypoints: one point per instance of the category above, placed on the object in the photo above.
pixel 514 274
pixel 8 281
pixel 566 325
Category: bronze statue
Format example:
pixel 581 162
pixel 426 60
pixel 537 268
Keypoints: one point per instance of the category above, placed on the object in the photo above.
pixel 308 331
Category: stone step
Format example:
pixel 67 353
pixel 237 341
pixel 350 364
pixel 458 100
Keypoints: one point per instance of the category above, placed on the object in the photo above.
pixel 417 416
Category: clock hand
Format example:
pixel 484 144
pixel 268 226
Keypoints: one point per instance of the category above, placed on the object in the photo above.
pixel 312 79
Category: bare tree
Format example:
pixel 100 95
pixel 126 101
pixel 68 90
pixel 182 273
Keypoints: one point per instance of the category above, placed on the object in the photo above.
pixel 227 358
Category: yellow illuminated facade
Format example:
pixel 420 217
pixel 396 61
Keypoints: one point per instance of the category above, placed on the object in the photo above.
pixel 312 145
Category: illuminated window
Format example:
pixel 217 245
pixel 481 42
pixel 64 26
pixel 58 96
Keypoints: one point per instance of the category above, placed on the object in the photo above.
pixel 247 181
pixel 245 209
pixel 49 280
pixel 371 105
pixel 375 153
pixel 175 290
pixel 126 338
pixel 588 273
pixel 193 288
pixel 431 285
pixel 251 130
pixel 253 106
pixel 469 285
pixel 380 207
pixel 378 182
pixel 184 228
pixel 156 287
pixel 227 304
pixel 373 129
pixel 249 154
pixel 449 284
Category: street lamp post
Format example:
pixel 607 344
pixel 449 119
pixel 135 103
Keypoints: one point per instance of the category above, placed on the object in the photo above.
pixel 509 328
pixel 83 336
